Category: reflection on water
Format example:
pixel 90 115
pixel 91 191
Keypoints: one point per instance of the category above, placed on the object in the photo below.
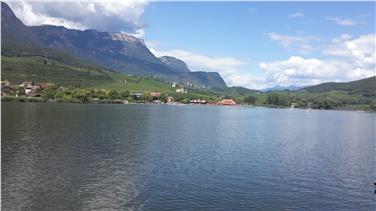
pixel 83 157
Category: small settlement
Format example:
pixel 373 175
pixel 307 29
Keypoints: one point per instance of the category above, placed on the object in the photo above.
pixel 32 90
pixel 26 88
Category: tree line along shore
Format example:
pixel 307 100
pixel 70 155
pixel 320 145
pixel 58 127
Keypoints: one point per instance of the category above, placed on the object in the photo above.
pixel 49 92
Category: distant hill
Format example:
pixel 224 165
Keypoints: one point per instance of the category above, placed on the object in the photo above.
pixel 117 51
pixel 235 91
pixel 282 88
pixel 365 87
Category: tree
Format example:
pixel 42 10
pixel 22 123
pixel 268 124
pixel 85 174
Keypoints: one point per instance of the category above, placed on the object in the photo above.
pixel 113 94
pixel 325 103
pixel 250 99
pixel 185 101
pixel 125 94
pixel 163 98
pixel 59 94
pixel 372 105
pixel 278 99
pixel 81 95
pixel 49 93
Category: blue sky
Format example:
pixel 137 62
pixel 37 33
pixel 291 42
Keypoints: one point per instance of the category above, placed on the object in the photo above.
pixel 244 30
pixel 252 44
pixel 241 28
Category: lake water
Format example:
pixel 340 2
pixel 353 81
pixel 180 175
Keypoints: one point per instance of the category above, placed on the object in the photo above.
pixel 162 157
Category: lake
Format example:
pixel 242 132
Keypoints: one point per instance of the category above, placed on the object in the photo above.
pixel 164 157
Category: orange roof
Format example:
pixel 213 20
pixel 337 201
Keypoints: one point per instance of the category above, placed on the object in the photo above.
pixel 226 102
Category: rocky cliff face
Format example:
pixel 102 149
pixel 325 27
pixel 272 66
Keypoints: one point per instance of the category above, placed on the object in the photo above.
pixel 117 51
pixel 174 63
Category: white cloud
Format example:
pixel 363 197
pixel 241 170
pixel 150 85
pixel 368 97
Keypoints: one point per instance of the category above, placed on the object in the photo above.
pixel 202 62
pixel 360 51
pixel 355 60
pixel 228 67
pixel 342 38
pixel 300 43
pixel 301 72
pixel 249 80
pixel 343 21
pixel 296 15
pixel 251 10
pixel 139 33
pixel 114 16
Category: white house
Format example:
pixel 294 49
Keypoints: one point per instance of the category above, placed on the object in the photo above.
pixel 180 90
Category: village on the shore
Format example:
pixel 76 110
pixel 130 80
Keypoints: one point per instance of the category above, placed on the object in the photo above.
pixel 29 91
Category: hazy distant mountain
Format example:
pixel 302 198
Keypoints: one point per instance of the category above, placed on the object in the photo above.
pixel 282 88
pixel 366 87
pixel 120 52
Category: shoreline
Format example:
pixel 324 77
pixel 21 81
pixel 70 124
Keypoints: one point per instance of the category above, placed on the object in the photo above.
pixel 8 99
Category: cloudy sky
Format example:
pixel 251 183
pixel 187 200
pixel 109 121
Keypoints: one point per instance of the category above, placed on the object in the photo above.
pixel 251 44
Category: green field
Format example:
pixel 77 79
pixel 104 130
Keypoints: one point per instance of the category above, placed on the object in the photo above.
pixel 18 69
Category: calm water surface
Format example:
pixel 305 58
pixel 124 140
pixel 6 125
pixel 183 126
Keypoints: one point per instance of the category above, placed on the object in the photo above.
pixel 160 157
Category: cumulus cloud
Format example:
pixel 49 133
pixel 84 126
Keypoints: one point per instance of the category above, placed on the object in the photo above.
pixel 350 59
pixel 296 15
pixel 249 80
pixel 360 50
pixel 299 43
pixel 113 16
pixel 301 72
pixel 343 21
pixel 202 62
pixel 356 61
pixel 228 67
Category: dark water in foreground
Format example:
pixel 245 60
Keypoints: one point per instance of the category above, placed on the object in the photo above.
pixel 160 157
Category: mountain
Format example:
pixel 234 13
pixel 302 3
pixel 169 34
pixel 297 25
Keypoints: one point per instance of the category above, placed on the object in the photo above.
pixel 365 87
pixel 207 79
pixel 117 51
pixel 174 63
pixel 282 88
pixel 200 77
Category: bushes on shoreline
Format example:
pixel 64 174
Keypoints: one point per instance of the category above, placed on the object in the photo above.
pixel 277 99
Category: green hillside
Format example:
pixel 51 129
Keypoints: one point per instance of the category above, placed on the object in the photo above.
pixel 365 87
pixel 38 69
pixel 235 91
pixel 14 49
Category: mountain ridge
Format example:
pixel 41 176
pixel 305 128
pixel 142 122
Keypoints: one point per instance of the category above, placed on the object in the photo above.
pixel 116 51
pixel 282 88
pixel 174 63
pixel 365 87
